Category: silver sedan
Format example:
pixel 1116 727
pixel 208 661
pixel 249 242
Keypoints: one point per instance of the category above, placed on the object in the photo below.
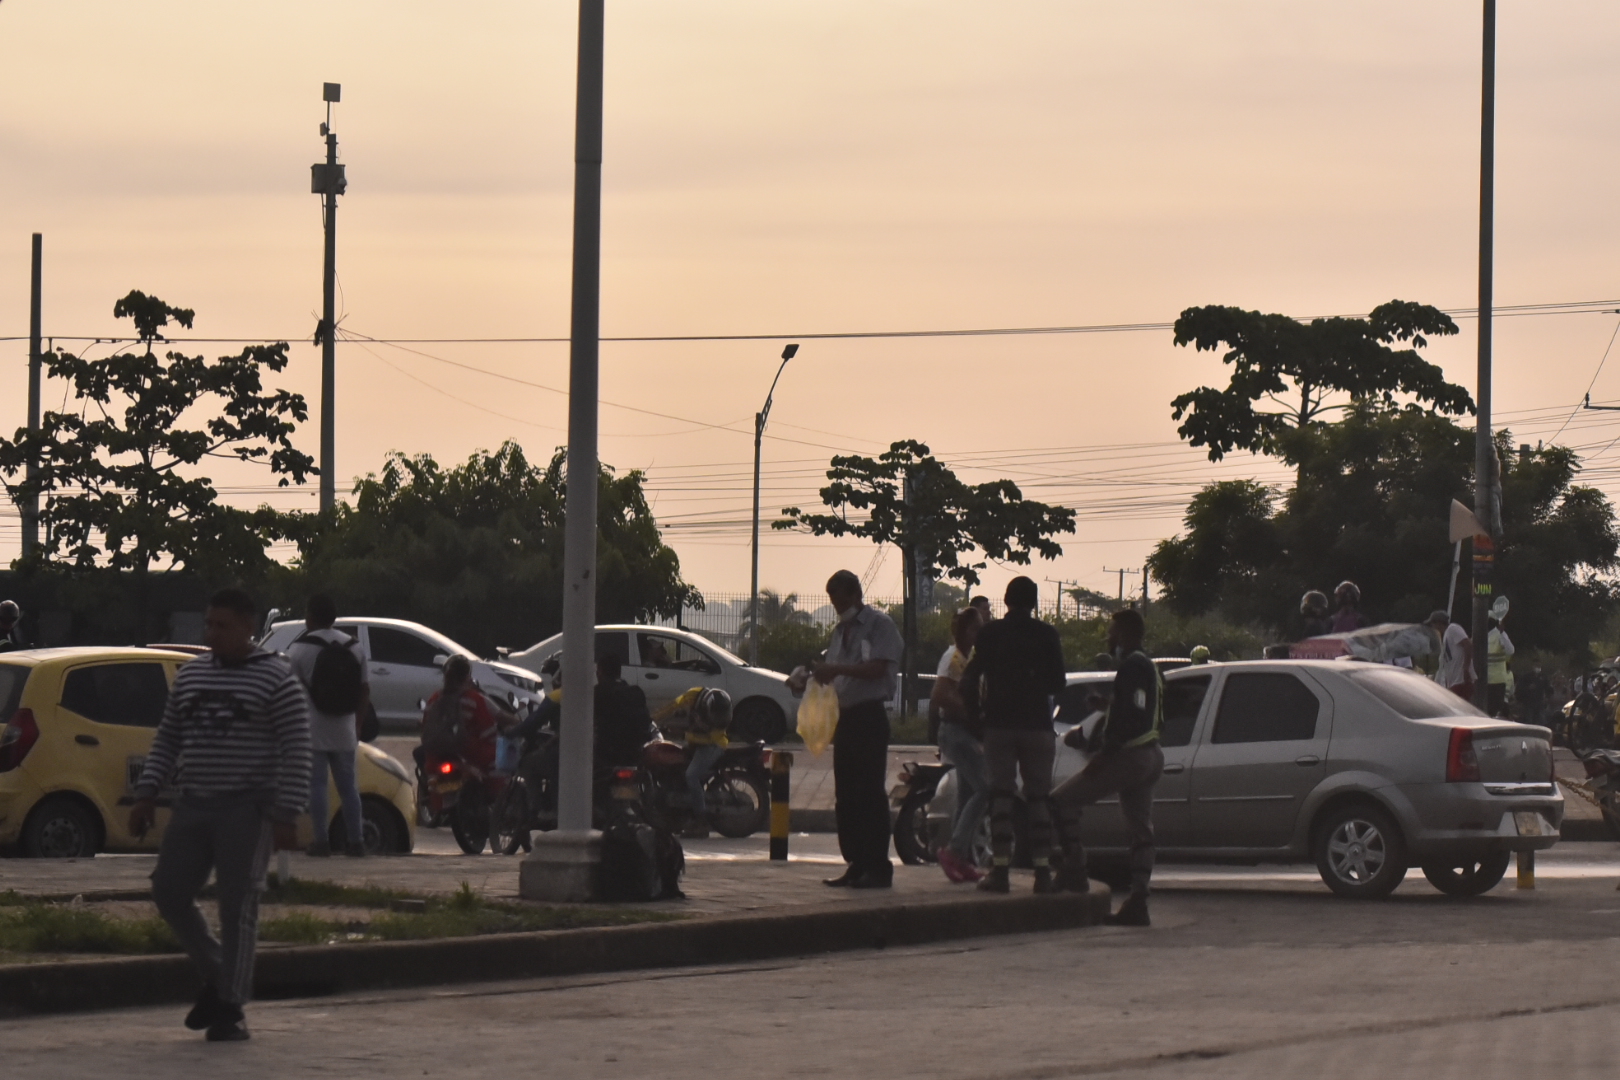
pixel 1364 769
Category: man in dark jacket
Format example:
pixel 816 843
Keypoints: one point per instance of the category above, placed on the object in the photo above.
pixel 623 724
pixel 1015 670
pixel 1127 760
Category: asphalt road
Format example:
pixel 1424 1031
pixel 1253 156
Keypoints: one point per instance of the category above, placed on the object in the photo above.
pixel 1245 973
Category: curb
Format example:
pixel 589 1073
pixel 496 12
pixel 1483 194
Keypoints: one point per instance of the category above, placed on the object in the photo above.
pixel 311 970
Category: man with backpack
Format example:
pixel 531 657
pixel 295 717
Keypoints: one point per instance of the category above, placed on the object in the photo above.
pixel 332 667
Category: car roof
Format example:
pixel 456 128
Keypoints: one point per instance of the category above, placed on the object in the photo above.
pixel 34 657
pixel 402 624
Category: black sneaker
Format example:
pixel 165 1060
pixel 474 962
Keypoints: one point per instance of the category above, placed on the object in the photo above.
pixel 1043 880
pixel 996 881
pixel 1133 912
pixel 229 1024
pixel 207 1010
pixel 874 879
pixel 842 881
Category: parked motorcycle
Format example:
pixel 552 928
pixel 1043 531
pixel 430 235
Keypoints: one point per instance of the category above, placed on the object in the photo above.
pixel 1603 780
pixel 913 791
pixel 736 793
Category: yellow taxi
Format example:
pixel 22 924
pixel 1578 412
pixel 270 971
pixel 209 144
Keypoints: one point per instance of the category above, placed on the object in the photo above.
pixel 78 725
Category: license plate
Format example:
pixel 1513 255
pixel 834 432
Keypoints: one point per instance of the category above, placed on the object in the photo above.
pixel 1530 823
pixel 444 787
pixel 625 791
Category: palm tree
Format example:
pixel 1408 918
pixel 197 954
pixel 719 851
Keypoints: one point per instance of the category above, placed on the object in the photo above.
pixel 774 610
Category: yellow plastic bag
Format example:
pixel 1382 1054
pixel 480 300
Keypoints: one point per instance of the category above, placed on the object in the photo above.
pixel 818 716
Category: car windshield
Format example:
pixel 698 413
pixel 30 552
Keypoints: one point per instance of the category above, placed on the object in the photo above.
pixel 1409 693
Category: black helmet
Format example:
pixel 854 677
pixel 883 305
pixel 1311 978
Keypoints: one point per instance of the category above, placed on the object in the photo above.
pixel 1313 603
pixel 714 706
pixel 1347 592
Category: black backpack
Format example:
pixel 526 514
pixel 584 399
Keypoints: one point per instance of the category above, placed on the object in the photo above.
pixel 334 686
pixel 641 863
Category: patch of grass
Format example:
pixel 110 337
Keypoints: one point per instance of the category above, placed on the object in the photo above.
pixel 300 928
pixel 299 891
pixel 56 928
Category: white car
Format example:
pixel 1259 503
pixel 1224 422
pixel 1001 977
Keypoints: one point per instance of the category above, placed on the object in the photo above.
pixel 666 663
pixel 405 662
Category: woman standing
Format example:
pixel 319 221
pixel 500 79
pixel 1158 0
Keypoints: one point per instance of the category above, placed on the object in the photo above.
pixel 961 745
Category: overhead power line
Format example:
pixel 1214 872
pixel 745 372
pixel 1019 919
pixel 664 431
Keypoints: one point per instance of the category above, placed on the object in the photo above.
pixel 1572 307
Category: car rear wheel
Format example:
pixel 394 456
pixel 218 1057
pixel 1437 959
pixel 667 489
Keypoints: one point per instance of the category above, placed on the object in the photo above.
pixel 61 828
pixel 1467 877
pixel 758 719
pixel 1360 852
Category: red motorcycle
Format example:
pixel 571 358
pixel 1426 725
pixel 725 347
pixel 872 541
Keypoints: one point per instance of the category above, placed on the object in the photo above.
pixel 463 795
pixel 737 803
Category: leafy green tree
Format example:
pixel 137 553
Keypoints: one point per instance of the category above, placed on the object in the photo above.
pixel 476 550
pixel 117 472
pixel 907 497
pixel 1306 370
pixel 1370 505
pixel 784 646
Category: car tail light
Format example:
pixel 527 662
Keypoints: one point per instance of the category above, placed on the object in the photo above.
pixel 17 738
pixel 623 775
pixel 1462 764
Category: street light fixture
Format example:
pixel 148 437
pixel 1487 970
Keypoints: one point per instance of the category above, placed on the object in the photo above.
pixel 759 433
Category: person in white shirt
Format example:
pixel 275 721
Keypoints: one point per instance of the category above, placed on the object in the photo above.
pixel 1456 670
pixel 334 736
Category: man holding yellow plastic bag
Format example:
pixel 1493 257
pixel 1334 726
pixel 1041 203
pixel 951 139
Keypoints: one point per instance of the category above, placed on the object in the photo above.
pixel 861 663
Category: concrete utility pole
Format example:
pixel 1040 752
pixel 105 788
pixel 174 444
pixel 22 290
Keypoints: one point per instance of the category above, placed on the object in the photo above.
pixel 30 508
pixel 1485 475
pixel 759 434
pixel 563 864
pixel 329 181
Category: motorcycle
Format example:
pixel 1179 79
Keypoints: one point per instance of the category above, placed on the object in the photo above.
pixel 1603 782
pixel 463 795
pixel 736 792
pixel 912 792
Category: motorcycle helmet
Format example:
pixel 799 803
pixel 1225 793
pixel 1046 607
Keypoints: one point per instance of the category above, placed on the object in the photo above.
pixel 1313 603
pixel 1200 654
pixel 1348 593
pixel 9 611
pixel 713 707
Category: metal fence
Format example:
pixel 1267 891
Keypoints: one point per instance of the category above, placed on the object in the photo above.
pixel 723 618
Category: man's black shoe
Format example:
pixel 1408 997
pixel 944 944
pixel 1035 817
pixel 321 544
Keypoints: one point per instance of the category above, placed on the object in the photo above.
pixel 228 1025
pixel 842 881
pixel 1133 912
pixel 229 1031
pixel 207 1010
pixel 873 880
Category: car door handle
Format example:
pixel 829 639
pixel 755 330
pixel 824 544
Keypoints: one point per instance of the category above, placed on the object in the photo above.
pixel 87 740
pixel 1307 760
pixel 1171 770
pixel 650 675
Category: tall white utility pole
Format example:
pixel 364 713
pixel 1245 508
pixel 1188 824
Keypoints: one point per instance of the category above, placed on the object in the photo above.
pixel 563 864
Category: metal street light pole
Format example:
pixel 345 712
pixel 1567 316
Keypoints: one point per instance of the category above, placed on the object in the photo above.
pixel 1484 452
pixel 328 180
pixel 759 434
pixel 561 866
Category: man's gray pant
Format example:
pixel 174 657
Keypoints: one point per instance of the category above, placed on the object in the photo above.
pixel 1131 772
pixel 1008 755
pixel 232 838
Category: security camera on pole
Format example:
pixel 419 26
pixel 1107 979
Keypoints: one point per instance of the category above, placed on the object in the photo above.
pixel 327 180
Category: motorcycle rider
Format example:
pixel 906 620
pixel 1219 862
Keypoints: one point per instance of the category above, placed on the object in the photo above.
pixel 460 720
pixel 1313 614
pixel 11 635
pixel 705 714
pixel 623 725
pixel 1347 616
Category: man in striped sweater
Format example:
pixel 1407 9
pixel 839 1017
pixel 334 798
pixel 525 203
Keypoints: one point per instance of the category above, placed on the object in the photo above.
pixel 235 735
